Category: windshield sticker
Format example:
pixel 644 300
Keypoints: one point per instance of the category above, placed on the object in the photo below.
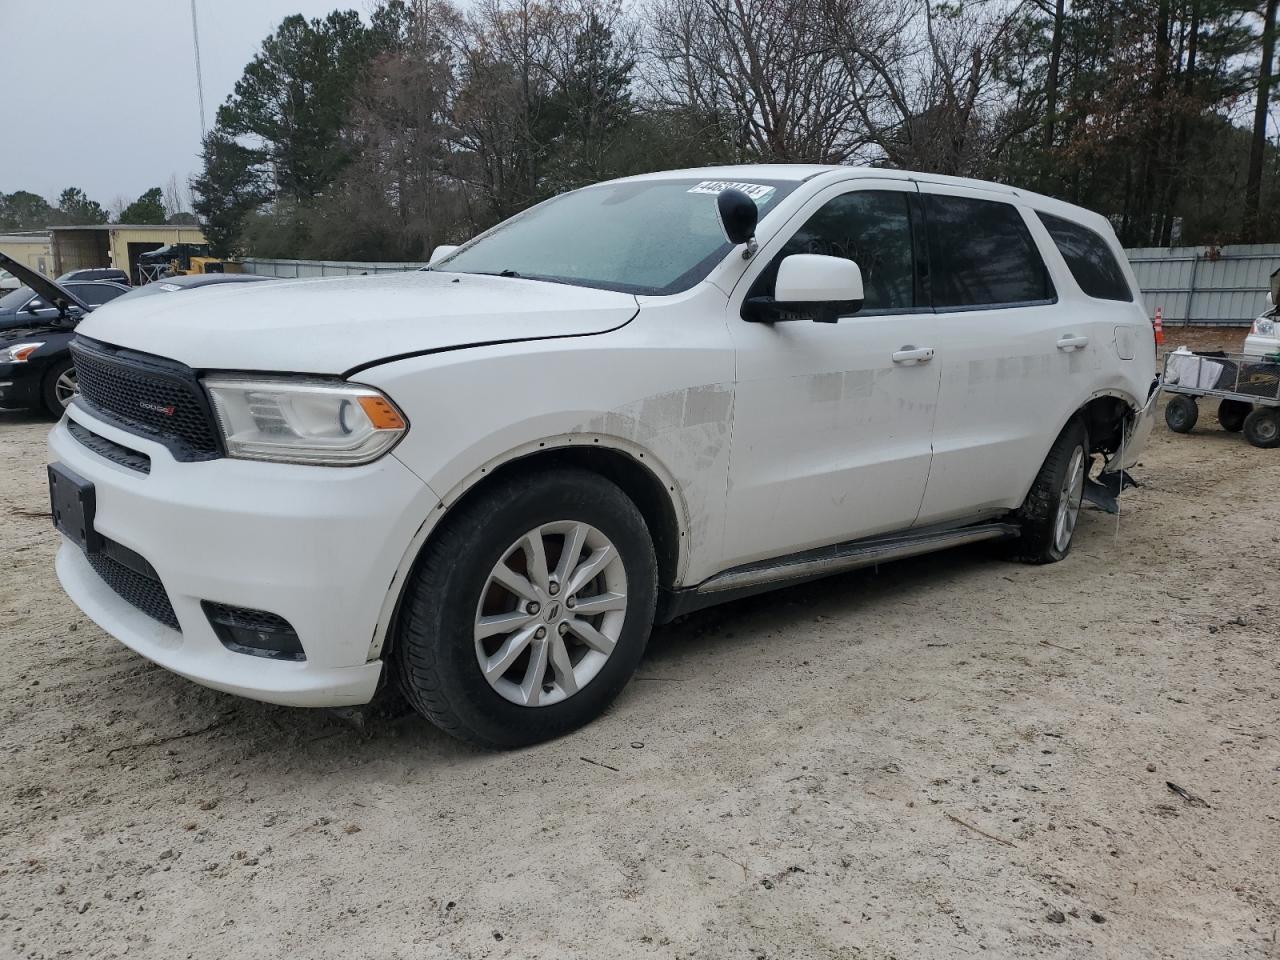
pixel 756 191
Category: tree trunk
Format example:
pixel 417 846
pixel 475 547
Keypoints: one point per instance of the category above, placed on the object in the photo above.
pixel 1253 184
pixel 1051 81
pixel 1180 145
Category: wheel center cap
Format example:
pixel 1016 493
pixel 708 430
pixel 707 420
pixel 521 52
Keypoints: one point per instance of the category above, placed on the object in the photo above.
pixel 553 612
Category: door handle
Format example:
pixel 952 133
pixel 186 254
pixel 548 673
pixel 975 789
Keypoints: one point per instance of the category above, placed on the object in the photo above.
pixel 909 355
pixel 1072 342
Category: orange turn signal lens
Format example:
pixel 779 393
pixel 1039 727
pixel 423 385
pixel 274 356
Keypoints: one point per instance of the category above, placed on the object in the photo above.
pixel 20 354
pixel 382 414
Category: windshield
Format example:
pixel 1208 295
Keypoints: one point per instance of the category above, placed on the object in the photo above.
pixel 16 298
pixel 645 237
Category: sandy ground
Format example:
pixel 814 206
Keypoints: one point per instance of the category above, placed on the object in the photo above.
pixel 949 757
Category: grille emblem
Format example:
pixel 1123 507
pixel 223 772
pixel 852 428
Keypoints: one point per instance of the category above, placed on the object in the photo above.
pixel 166 409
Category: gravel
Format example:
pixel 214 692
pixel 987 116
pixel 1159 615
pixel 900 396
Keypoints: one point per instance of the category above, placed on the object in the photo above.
pixel 943 757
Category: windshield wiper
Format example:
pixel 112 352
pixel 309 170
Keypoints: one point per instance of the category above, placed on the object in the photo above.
pixel 507 273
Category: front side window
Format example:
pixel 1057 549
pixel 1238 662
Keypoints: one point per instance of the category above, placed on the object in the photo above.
pixel 1089 258
pixel 644 237
pixel 95 294
pixel 981 254
pixel 870 227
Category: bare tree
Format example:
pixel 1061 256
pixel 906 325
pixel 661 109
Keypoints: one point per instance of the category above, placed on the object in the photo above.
pixel 930 94
pixel 761 69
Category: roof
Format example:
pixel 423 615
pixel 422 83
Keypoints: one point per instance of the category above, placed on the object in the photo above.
pixel 194 227
pixel 801 172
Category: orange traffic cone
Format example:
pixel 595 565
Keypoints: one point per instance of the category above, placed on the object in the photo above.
pixel 1158 323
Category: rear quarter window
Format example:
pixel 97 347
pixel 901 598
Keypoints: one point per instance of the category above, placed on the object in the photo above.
pixel 1089 258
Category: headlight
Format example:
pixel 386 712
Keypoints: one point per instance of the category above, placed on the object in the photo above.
pixel 304 421
pixel 1264 327
pixel 19 352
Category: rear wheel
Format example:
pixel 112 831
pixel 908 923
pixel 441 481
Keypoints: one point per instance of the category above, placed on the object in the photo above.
pixel 60 387
pixel 1181 414
pixel 529 610
pixel 1262 427
pixel 1232 413
pixel 1052 508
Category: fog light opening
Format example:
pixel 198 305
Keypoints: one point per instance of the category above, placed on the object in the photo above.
pixel 256 633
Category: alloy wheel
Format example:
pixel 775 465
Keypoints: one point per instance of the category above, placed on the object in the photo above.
pixel 66 387
pixel 1069 498
pixel 550 613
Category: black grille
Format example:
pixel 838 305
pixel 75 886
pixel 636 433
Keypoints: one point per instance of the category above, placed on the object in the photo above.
pixel 152 396
pixel 134 580
pixel 109 449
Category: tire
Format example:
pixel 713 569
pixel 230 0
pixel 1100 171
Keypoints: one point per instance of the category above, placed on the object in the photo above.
pixel 1262 427
pixel 53 390
pixel 453 589
pixel 1181 414
pixel 1232 414
pixel 1049 514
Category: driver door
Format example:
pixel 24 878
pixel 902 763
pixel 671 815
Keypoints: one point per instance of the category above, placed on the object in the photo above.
pixel 833 422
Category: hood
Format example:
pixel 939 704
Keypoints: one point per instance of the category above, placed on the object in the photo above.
pixel 339 325
pixel 51 290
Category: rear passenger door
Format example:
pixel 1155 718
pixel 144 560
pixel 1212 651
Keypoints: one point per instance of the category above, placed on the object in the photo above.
pixel 1004 378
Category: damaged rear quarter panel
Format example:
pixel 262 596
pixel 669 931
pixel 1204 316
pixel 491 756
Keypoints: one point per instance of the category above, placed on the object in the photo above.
pixel 659 389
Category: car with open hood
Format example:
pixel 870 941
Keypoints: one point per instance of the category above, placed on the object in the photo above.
pixel 36 369
pixel 40 300
pixel 486 480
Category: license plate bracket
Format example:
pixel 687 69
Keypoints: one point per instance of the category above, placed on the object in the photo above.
pixel 73 504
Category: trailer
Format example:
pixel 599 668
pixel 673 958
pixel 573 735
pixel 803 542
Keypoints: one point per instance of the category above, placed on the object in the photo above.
pixel 1247 389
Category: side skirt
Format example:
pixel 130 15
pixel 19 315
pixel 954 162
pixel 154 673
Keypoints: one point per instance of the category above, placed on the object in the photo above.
pixel 764 575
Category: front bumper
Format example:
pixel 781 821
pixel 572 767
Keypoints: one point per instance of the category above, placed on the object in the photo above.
pixel 318 546
pixel 19 386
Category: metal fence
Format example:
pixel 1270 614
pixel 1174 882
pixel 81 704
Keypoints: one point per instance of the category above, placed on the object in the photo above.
pixel 1192 285
pixel 292 269
pixel 1220 286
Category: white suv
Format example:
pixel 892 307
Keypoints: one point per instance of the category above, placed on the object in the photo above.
pixel 489 478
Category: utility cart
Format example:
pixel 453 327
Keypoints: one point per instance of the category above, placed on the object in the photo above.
pixel 1247 388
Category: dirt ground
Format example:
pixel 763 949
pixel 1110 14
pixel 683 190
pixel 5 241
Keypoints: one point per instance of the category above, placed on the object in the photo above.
pixel 948 757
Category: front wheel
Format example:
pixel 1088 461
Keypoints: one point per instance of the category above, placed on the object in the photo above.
pixel 60 387
pixel 529 609
pixel 1049 514
pixel 1181 414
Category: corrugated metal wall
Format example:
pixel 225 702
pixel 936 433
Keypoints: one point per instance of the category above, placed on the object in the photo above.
pixel 1199 285
pixel 1206 285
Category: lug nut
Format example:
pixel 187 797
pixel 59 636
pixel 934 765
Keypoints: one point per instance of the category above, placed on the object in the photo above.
pixel 541 632
pixel 563 628
pixel 554 588
pixel 532 607
pixel 570 603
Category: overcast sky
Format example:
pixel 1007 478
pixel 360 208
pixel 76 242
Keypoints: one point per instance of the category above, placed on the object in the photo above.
pixel 101 94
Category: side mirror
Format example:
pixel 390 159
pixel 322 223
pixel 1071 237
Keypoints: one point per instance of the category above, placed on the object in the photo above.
pixel 810 285
pixel 442 251
pixel 738 215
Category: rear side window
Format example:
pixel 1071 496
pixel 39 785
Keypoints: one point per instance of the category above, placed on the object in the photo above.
pixel 1089 258
pixel 982 255
pixel 870 227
